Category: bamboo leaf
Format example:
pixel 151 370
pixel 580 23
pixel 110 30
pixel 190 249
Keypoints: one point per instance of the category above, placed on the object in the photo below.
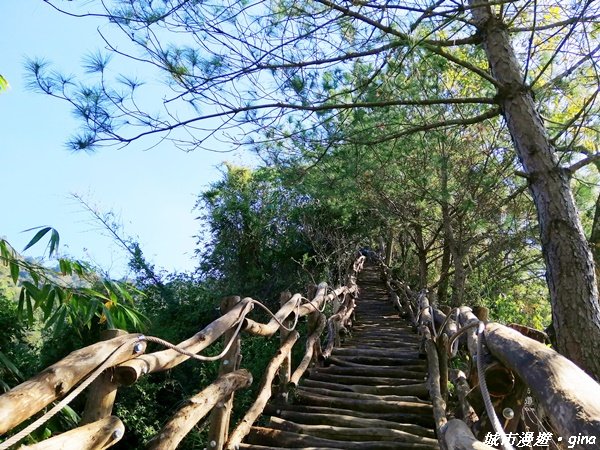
pixel 29 305
pixel 54 240
pixel 21 302
pixel 14 270
pixel 5 360
pixel 65 266
pixel 49 304
pixel 54 317
pixel 40 234
pixel 60 322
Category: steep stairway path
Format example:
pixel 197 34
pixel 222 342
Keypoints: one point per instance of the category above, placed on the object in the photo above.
pixel 371 394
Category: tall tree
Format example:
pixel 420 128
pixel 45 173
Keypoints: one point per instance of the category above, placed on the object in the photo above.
pixel 274 65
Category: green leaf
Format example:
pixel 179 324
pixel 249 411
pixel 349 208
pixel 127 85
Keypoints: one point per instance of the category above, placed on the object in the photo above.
pixel 53 318
pixel 92 308
pixel 14 270
pixel 3 84
pixel 54 240
pixel 5 360
pixel 29 305
pixel 4 250
pixel 40 234
pixel 49 304
pixel 33 290
pixel 60 322
pixel 65 266
pixel 21 302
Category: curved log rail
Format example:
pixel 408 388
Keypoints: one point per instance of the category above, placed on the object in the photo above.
pixel 120 361
pixel 514 360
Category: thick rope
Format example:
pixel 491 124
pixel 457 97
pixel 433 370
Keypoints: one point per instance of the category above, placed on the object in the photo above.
pixel 108 362
pixel 460 332
pixel 201 357
pixel 489 407
pixel 256 302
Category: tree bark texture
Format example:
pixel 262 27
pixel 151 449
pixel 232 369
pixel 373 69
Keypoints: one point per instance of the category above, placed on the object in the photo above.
pixel 569 263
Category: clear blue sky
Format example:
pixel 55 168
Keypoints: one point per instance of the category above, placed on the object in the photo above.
pixel 154 191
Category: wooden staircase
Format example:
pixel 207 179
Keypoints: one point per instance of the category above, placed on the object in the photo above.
pixel 370 395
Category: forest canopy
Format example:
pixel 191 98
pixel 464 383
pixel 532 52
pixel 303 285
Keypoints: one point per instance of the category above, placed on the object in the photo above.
pixel 453 141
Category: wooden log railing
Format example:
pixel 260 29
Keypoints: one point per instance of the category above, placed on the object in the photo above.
pixel 122 358
pixel 510 363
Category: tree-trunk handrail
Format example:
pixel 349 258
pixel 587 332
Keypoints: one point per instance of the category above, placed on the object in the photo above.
pixel 26 399
pixel 567 394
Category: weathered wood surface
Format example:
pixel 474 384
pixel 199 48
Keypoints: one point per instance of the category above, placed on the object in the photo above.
pixel 439 405
pixel 198 407
pixel 310 353
pixel 354 421
pixel 221 415
pixel 457 436
pixel 419 390
pixel 131 371
pixel 370 394
pixel 467 413
pixel 98 435
pixel 102 392
pixel 26 399
pixel 288 439
pixel 346 433
pixel 264 393
pixel 288 308
pixel 569 396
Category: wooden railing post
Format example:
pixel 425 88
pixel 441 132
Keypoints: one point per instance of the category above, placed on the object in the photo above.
pixel 103 391
pixel 312 324
pixel 285 370
pixel 221 414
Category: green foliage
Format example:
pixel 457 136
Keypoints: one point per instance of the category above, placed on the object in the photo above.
pixel 3 84
pixel 75 294
pixel 254 227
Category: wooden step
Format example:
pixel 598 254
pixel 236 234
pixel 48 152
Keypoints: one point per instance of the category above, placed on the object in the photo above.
pixel 419 390
pixel 408 358
pixel 393 353
pixel 363 405
pixel 368 381
pixel 400 417
pixel 356 422
pixel 345 433
pixel 360 395
pixel 413 372
pixel 288 439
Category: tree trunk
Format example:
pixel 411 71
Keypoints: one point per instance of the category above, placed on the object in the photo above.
pixel 389 248
pixel 442 292
pixel 569 264
pixel 595 234
pixel 421 255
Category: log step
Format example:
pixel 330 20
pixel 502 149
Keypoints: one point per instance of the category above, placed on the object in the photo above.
pixel 360 395
pixel 353 421
pixel 414 372
pixel 418 419
pixel 345 433
pixel 370 394
pixel 345 362
pixel 366 361
pixel 288 439
pixel 364 405
pixel 368 381
pixel 419 390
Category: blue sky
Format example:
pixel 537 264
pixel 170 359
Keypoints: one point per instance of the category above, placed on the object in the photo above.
pixel 153 191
